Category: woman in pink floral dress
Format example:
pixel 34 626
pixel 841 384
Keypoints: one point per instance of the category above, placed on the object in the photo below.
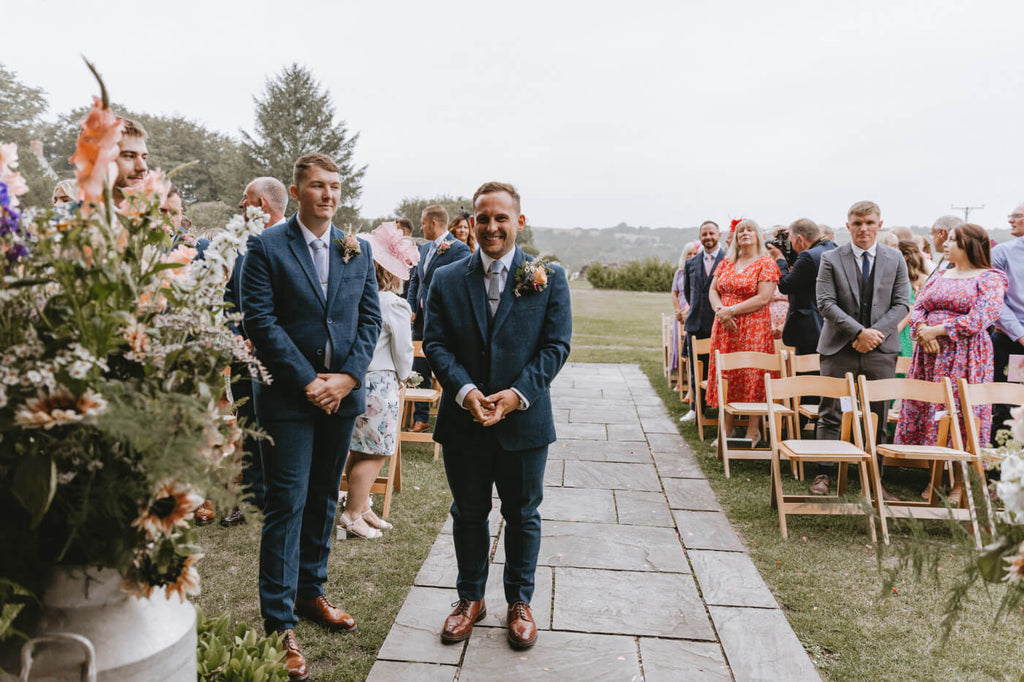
pixel 949 320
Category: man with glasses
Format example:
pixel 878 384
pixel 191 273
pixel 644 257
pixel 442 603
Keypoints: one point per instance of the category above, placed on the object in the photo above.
pixel 1008 331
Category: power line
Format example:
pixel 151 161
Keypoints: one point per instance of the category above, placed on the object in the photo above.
pixel 967 210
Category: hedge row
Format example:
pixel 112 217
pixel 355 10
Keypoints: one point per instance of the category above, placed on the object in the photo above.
pixel 650 274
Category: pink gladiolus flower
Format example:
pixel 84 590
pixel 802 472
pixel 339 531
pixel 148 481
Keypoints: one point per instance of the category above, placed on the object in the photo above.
pixel 153 189
pixel 16 185
pixel 96 151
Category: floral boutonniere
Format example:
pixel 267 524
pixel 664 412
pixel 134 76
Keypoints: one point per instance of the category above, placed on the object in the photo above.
pixel 349 247
pixel 532 276
pixel 443 248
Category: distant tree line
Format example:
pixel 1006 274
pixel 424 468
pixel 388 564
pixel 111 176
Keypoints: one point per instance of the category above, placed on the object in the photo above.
pixel 649 274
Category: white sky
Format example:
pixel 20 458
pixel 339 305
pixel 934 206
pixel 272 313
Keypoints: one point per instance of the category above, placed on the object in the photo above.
pixel 652 113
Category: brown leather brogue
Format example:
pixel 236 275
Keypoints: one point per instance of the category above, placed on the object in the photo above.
pixel 419 427
pixel 522 631
pixel 204 513
pixel 293 658
pixel 323 612
pixel 821 485
pixel 459 624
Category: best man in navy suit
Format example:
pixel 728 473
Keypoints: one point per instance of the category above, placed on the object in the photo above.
pixel 496 343
pixel 697 275
pixel 309 296
pixel 441 250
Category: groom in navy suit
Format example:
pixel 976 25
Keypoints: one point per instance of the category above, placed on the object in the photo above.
pixel 441 249
pixel 497 332
pixel 309 300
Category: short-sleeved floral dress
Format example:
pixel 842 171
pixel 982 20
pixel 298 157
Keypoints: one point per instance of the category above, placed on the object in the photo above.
pixel 753 330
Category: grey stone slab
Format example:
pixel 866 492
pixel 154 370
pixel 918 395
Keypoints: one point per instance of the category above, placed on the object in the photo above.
pixel 641 508
pixel 658 424
pixel 611 546
pixel 707 530
pixel 599 451
pixel 578 504
pixel 667 442
pixel 690 493
pixel 401 671
pixel 593 403
pixel 667 660
pixel 553 472
pixel 497 605
pixel 439 569
pixel 560 415
pixel 611 475
pixel 582 431
pixel 629 432
pixel 555 656
pixel 760 645
pixel 566 392
pixel 608 602
pixel 589 415
pixel 416 634
pixel 599 382
pixel 730 579
pixel 678 465
pixel 493 519
pixel 648 400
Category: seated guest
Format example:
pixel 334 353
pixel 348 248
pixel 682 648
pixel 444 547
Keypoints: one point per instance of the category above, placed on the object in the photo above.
pixel 376 430
pixel 803 321
pixel 950 321
pixel 740 292
pixel 460 229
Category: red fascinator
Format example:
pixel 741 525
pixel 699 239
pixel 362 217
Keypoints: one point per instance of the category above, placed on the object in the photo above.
pixel 734 223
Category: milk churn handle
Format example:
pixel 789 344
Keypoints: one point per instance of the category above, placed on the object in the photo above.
pixel 29 647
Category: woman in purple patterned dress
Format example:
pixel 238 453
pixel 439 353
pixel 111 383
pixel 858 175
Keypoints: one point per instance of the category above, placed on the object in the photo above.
pixel 679 303
pixel 949 320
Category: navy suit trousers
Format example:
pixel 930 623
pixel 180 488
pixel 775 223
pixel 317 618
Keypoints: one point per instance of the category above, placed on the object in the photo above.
pixel 303 469
pixel 252 460
pixel 519 477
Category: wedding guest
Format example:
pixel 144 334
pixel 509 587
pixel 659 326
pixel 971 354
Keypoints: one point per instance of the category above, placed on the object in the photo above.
pixel 131 158
pixel 827 232
pixel 889 239
pixel 405 225
pixel 699 271
pixel 861 314
pixel 925 245
pixel 64 193
pixel 803 321
pixel 376 430
pixel 917 273
pixel 940 233
pixel 950 321
pixel 173 209
pixel 1008 331
pixel 739 295
pixel 460 229
pixel 309 296
pixel 778 307
pixel 679 303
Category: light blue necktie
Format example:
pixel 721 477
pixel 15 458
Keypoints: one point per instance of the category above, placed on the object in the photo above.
pixel 494 288
pixel 320 263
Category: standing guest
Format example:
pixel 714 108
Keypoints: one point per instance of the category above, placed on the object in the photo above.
pixel 679 302
pixel 309 296
pixel 1008 331
pixel 498 332
pixel 917 273
pixel 460 229
pixel 778 307
pixel 739 295
pixel 440 249
pixel 889 239
pixel 827 232
pixel 803 321
pixel 863 293
pixel 65 192
pixel 950 321
pixel 696 284
pixel 131 158
pixel 925 245
pixel 376 430
pixel 940 233
pixel 270 196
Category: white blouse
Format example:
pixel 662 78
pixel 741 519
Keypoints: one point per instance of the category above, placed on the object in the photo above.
pixel 394 346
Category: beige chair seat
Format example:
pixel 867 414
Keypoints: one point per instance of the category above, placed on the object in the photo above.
pixel 809 410
pixel 422 394
pixel 821 449
pixel 922 452
pixel 755 408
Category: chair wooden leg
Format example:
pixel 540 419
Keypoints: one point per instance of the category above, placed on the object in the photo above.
pixel 723 445
pixel 398 467
pixel 876 481
pixel 778 495
pixel 843 474
pixel 865 491
pixel 973 512
pixel 700 411
pixel 978 469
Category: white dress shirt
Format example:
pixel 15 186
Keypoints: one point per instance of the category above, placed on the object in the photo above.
pixel 325 239
pixel 858 254
pixel 394 345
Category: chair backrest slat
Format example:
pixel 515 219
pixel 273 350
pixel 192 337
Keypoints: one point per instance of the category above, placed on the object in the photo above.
pixel 937 393
pixel 973 395
pixel 700 346
pixel 750 360
pixel 805 363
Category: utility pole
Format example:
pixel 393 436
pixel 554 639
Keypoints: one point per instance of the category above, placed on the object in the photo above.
pixel 967 210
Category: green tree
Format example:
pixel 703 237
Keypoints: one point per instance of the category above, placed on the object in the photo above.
pixel 21 120
pixel 295 116
pixel 412 208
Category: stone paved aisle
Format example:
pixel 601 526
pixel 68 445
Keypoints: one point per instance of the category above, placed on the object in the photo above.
pixel 641 576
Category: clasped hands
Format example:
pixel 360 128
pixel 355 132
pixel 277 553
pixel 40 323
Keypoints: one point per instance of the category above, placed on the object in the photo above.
pixel 491 409
pixel 867 340
pixel 928 337
pixel 726 317
pixel 328 390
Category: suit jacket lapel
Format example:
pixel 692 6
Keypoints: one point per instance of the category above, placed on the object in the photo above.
pixel 337 265
pixel 301 252
pixel 477 298
pixel 881 261
pixel 714 268
pixel 430 267
pixel 852 271
pixel 507 297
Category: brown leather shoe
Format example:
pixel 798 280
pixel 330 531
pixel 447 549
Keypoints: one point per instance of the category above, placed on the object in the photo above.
pixel 419 427
pixel 821 485
pixel 522 631
pixel 460 622
pixel 325 613
pixel 293 658
pixel 204 514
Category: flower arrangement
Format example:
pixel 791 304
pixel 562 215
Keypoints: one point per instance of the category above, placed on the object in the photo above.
pixel 349 247
pixel 115 343
pixel 532 276
pixel 443 247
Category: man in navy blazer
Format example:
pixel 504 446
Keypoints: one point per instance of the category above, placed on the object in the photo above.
pixel 441 249
pixel 309 297
pixel 799 282
pixel 697 275
pixel 497 332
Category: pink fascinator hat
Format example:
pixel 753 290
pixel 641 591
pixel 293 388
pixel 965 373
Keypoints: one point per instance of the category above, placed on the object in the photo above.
pixel 392 250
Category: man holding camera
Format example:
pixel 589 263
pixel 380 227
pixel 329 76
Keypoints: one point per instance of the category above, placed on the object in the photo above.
pixel 803 321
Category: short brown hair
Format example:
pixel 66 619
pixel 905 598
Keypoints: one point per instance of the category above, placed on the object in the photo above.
pixel 130 128
pixel 863 208
pixel 174 191
pixel 495 187
pixel 405 224
pixel 307 161
pixel 436 212
pixel 806 228
pixel 973 239
pixel 387 281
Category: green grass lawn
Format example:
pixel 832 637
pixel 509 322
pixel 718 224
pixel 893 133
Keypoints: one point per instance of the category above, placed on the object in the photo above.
pixel 825 576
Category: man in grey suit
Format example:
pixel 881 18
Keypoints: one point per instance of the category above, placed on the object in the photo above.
pixel 863 292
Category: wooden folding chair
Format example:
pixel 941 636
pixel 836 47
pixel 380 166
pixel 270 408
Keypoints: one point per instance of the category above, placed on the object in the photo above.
pixel 841 451
pixel 804 364
pixel 725 362
pixel 392 481
pixel 938 454
pixel 666 346
pixel 973 395
pixel 700 347
pixel 431 395
pixel 683 373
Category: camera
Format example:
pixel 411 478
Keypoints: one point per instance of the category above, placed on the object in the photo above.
pixel 781 242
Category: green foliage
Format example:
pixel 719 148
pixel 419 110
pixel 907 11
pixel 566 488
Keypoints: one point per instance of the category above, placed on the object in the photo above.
pixel 650 274
pixel 236 655
pixel 21 121
pixel 13 598
pixel 411 208
pixel 295 116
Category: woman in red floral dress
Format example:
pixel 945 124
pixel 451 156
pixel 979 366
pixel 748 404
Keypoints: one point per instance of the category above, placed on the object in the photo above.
pixel 740 292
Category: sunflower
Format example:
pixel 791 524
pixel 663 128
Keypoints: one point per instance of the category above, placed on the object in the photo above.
pixel 187 582
pixel 172 505
pixel 1015 570
pixel 59 407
